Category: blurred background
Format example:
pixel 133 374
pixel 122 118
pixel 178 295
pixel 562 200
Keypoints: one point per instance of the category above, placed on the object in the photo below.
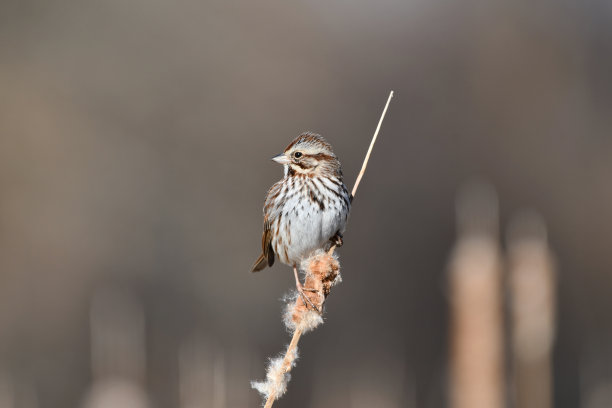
pixel 135 139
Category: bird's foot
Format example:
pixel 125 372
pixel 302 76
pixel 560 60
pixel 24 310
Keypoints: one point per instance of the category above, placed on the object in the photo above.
pixel 301 290
pixel 337 240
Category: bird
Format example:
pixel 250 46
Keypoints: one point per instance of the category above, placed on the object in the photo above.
pixel 307 209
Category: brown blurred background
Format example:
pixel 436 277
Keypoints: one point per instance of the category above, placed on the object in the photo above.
pixel 134 146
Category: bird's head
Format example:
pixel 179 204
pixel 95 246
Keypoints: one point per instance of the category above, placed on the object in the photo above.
pixel 310 155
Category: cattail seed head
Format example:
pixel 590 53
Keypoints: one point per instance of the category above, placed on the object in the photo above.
pixel 322 271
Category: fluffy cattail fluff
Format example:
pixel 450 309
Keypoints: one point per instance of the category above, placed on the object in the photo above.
pixel 277 374
pixel 322 271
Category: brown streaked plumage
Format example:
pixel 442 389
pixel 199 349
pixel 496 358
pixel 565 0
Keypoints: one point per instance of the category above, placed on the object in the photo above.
pixel 307 208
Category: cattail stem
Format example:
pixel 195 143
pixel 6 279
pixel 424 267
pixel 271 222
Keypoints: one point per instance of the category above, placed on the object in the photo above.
pixel 291 353
pixel 367 158
pixel 287 362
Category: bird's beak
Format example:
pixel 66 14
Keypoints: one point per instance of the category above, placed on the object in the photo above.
pixel 281 159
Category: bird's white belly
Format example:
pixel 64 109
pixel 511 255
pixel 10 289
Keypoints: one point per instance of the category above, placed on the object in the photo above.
pixel 305 227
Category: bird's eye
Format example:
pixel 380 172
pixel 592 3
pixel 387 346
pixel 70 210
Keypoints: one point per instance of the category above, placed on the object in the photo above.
pixel 297 155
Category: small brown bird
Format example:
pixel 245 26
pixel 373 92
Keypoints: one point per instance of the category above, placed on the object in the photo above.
pixel 308 208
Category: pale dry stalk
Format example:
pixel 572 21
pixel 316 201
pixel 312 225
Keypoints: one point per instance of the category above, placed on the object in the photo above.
pixel 367 158
pixel 322 273
pixel 287 363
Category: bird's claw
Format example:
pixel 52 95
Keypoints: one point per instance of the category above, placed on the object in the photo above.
pixel 337 240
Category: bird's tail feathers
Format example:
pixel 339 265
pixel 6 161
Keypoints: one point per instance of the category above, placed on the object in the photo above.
pixel 260 263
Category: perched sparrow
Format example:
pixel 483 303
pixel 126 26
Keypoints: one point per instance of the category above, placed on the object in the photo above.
pixel 308 208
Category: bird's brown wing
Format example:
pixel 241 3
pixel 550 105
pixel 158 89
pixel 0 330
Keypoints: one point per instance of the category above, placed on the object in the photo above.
pixel 271 211
pixel 267 256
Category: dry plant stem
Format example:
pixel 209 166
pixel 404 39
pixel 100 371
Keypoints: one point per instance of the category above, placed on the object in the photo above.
pixel 299 309
pixel 324 287
pixel 365 161
pixel 286 363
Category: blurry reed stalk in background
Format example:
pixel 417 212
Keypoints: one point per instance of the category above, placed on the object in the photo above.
pixel 7 391
pixel 476 379
pixel 16 393
pixel 211 374
pixel 117 351
pixel 532 290
pixel 597 394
